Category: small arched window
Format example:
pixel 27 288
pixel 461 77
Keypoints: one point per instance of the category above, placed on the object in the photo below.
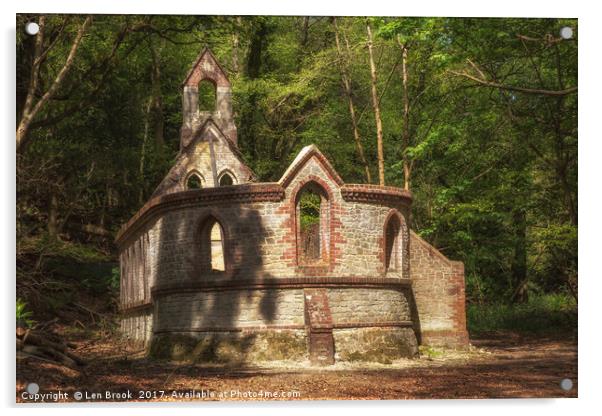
pixel 194 182
pixel 312 224
pixel 226 179
pixel 212 245
pixel 393 245
pixel 207 96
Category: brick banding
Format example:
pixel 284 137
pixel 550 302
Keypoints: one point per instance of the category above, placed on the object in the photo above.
pixel 254 328
pixel 375 194
pixel 281 283
pixel 244 193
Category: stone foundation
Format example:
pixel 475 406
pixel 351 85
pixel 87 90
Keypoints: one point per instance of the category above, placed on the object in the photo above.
pixel 137 326
pixel 231 347
pixel 382 345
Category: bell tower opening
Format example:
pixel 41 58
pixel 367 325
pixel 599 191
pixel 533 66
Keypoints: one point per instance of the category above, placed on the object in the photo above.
pixel 207 97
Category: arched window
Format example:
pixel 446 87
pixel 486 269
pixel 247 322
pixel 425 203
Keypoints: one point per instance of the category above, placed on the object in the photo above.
pixel 226 179
pixel 212 245
pixel 217 248
pixel 393 245
pixel 207 96
pixel 194 182
pixel 312 224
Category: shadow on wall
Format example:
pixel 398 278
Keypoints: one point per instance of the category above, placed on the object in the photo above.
pixel 196 323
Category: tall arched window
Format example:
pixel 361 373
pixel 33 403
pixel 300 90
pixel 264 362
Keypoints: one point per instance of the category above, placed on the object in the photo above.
pixel 313 235
pixel 393 245
pixel 212 245
pixel 217 248
pixel 207 96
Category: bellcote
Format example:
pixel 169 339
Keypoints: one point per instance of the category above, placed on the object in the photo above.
pixel 206 69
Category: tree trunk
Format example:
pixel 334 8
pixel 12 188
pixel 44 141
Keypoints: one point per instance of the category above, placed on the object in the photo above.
pixel 236 45
pixel 519 261
pixel 376 107
pixel 143 150
pixel 347 84
pixel 30 110
pixel 405 134
pixel 157 101
pixel 53 216
pixel 253 71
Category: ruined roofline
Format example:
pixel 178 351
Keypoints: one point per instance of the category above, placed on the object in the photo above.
pixel 266 191
pixel 250 192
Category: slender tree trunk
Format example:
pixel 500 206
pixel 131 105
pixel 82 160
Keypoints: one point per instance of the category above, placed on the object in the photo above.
pixel 143 150
pixel 53 216
pixel 305 31
pixel 347 84
pixel 157 101
pixel 405 134
pixel 568 196
pixel 30 110
pixel 236 45
pixel 253 70
pixel 376 107
pixel 519 261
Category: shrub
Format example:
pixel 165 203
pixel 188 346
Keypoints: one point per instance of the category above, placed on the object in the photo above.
pixel 549 313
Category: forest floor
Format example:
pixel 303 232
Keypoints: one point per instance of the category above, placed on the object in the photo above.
pixel 499 365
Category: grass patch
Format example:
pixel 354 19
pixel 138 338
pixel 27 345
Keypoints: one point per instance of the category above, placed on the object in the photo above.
pixel 542 314
pixel 430 352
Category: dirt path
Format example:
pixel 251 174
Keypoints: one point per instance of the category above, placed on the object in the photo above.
pixel 495 367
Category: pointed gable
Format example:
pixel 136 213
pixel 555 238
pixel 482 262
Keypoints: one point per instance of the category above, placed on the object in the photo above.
pixel 209 154
pixel 205 67
pixel 307 154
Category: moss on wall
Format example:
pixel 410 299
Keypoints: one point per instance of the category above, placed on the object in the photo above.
pixel 230 347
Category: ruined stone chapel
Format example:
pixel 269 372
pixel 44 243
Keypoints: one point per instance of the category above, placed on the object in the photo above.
pixel 219 267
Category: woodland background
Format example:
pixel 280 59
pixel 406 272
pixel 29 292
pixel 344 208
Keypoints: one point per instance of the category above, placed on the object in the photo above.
pixel 476 116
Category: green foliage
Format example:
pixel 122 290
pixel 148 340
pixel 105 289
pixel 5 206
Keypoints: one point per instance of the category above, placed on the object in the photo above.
pixel 494 171
pixel 551 314
pixel 48 246
pixel 430 352
pixel 24 315
pixel 309 207
pixel 115 279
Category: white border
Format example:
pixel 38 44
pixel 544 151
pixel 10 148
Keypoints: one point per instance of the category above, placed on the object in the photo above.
pixel 589 155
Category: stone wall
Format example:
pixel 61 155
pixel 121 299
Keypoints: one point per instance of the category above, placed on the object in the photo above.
pixel 381 345
pixel 264 283
pixel 231 347
pixel 228 310
pixel 137 325
pixel 369 306
pixel 260 236
pixel 372 325
pixel 438 288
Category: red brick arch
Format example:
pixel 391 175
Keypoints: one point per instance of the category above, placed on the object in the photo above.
pixel 333 225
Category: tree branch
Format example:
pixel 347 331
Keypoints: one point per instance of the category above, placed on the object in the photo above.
pixel 482 80
pixel 29 115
